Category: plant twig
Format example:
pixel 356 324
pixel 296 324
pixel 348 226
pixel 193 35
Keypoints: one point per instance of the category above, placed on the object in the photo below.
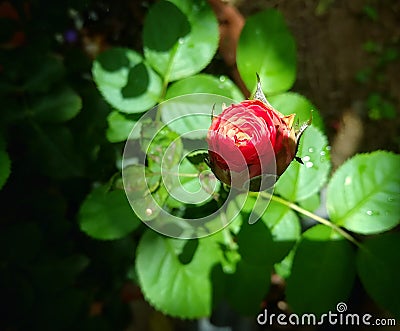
pixel 312 216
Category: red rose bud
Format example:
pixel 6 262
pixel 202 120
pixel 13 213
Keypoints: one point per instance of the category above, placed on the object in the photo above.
pixel 251 143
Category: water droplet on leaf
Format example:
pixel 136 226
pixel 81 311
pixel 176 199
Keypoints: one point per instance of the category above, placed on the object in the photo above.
pixel 309 164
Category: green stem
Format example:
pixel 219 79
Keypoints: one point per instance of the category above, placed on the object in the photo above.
pixel 312 216
pixel 165 172
pixel 166 79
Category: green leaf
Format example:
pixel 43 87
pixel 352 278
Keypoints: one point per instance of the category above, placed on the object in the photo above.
pixel 174 48
pixel 322 273
pixel 190 115
pixel 248 286
pixel 144 191
pixel 204 83
pixel 160 32
pixel 284 226
pixel 294 103
pixel 125 81
pixel 44 73
pixel 5 164
pixel 364 194
pixel 54 150
pixel 284 267
pixel 182 290
pixel 186 184
pixel 251 280
pixel 267 47
pixel 119 127
pixel 255 243
pixel 379 269
pixel 162 146
pixel 300 181
pixel 57 106
pixel 107 215
pixel 312 203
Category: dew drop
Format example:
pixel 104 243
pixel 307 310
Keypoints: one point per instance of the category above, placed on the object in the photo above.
pixel 328 148
pixel 322 153
pixel 306 158
pixel 311 149
pixel 149 212
pixel 222 79
pixel 372 213
pixel 181 41
pixel 347 181
pixel 309 164
pixel 390 199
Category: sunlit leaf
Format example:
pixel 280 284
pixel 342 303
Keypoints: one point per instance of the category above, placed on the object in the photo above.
pixel 190 115
pixel 283 268
pixel 119 127
pixel 364 194
pixel 107 215
pixel 267 47
pixel 125 81
pixel 300 181
pixel 186 184
pixel 180 37
pixel 294 103
pixel 204 83
pixel 162 146
pixel 284 226
pixel 177 289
